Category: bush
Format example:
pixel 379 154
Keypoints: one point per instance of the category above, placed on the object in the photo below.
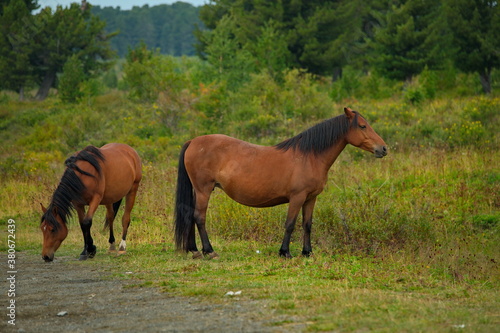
pixel 147 74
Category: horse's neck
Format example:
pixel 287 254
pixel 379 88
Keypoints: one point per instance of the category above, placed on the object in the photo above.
pixel 329 156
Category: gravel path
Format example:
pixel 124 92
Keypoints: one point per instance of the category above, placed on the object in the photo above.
pixel 90 301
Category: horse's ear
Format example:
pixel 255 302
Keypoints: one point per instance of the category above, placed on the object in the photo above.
pixel 349 113
pixel 43 207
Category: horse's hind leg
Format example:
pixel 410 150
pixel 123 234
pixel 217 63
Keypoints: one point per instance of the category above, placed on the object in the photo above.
pixel 129 204
pixel 111 211
pixel 191 243
pixel 200 214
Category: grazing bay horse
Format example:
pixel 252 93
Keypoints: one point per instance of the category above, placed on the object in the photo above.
pixel 293 171
pixel 93 177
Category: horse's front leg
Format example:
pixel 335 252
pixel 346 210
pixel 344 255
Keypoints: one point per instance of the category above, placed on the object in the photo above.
pixel 89 249
pixel 307 213
pixel 293 212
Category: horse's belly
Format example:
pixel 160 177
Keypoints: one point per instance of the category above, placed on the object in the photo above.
pixel 113 195
pixel 261 203
pixel 256 195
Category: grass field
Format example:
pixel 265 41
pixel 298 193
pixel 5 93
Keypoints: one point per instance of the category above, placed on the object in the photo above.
pixel 406 243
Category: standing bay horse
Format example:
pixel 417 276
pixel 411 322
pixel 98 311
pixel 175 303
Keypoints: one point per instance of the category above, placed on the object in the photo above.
pixel 93 177
pixel 293 171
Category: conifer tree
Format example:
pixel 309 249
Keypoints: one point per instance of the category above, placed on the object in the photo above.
pixel 16 29
pixel 475 27
pixel 413 36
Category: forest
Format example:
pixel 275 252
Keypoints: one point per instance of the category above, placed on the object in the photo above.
pixel 396 40
pixel 168 28
pixel 406 243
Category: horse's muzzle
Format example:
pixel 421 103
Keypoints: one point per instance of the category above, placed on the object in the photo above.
pixel 380 151
pixel 47 258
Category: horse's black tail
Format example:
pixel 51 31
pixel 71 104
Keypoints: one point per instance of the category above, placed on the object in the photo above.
pixel 116 206
pixel 184 204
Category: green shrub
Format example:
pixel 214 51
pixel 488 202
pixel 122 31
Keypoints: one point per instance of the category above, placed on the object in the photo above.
pixel 413 94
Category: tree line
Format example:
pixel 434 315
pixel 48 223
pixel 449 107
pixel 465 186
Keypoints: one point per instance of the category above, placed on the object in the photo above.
pixel 396 38
pixel 168 28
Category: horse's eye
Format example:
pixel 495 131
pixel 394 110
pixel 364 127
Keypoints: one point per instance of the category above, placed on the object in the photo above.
pixel 362 126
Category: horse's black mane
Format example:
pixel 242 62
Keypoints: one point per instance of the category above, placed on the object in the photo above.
pixel 71 188
pixel 321 136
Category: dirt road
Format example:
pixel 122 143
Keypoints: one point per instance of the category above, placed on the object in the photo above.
pixel 91 301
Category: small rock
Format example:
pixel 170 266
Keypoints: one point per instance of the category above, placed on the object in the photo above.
pixel 62 313
pixel 459 326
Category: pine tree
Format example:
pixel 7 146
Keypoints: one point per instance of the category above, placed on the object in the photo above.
pixel 71 79
pixel 413 36
pixel 475 27
pixel 320 36
pixel 16 31
pixel 66 32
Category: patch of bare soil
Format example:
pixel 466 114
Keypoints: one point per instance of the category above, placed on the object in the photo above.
pixel 66 297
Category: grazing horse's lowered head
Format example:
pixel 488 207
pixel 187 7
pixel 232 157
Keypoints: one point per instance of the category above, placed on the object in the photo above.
pixel 54 232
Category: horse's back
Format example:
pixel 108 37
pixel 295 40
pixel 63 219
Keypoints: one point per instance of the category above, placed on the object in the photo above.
pixel 217 151
pixel 122 168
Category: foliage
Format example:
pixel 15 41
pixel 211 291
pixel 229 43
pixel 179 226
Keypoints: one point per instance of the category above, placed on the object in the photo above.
pixel 148 74
pixel 474 26
pixel 399 39
pixel 46 41
pixel 320 36
pixel 71 80
pixel 230 63
pixel 15 69
pixel 413 37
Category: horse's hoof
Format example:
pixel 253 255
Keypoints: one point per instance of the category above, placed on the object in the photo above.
pixel 121 252
pixel 197 255
pixel 286 255
pixel 83 257
pixel 307 254
pixel 212 255
pixel 112 248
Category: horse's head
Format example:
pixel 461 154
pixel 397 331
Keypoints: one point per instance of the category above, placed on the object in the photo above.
pixel 54 231
pixel 362 135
